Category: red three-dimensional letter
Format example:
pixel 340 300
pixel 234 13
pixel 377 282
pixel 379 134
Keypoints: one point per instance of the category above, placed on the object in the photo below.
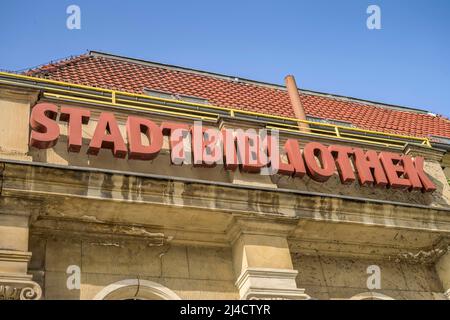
pixel 249 148
pixel 136 126
pixel 393 166
pixel 45 131
pixel 323 170
pixel 277 165
pixel 107 135
pixel 369 168
pixel 295 157
pixel 344 166
pixel 75 117
pixel 229 150
pixel 295 166
pixel 416 175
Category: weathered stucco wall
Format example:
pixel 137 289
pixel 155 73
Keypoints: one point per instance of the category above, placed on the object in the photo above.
pixel 192 272
pixel 343 278
pixel 206 273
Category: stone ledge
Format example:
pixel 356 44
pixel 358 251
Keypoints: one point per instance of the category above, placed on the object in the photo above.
pixel 267 283
pixel 15 256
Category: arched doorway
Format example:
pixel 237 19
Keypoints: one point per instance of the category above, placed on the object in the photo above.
pixel 371 296
pixel 136 289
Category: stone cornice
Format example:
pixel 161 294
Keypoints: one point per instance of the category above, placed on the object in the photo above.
pixel 25 95
pixel 262 225
pixel 15 256
pixel 37 182
pixel 430 154
pixel 209 214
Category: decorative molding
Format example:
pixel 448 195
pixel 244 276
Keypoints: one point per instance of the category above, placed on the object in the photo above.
pixel 136 289
pixel 447 294
pixel 19 290
pixel 413 255
pixel 371 296
pixel 15 256
pixel 262 225
pixel 426 255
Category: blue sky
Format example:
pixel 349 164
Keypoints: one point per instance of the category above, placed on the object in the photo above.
pixel 325 44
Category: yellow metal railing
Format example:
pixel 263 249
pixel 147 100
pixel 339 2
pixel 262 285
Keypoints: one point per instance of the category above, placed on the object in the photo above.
pixel 92 95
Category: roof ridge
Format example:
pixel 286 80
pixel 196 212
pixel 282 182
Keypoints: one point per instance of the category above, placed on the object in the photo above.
pixel 185 69
pixel 54 64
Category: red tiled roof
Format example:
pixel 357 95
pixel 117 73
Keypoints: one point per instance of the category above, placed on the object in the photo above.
pixel 133 76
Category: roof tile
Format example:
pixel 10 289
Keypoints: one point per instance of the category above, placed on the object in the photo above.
pixel 124 75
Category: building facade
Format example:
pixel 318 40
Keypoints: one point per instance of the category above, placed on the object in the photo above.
pixel 359 208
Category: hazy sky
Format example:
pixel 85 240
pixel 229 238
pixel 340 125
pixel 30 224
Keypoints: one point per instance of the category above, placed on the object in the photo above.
pixel 325 44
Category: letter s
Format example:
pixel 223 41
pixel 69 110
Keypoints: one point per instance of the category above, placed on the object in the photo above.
pixel 45 130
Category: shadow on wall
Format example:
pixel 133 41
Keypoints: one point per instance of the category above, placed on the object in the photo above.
pixel 161 165
pixel 335 187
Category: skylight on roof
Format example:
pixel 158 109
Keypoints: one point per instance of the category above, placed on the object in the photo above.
pixel 316 119
pixel 439 139
pixel 330 121
pixel 175 96
pixel 192 99
pixel 158 93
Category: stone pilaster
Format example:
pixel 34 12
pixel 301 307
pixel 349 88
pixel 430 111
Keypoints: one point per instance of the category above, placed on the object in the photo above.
pixel 262 261
pixel 15 282
pixel 15 107
pixel 443 271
